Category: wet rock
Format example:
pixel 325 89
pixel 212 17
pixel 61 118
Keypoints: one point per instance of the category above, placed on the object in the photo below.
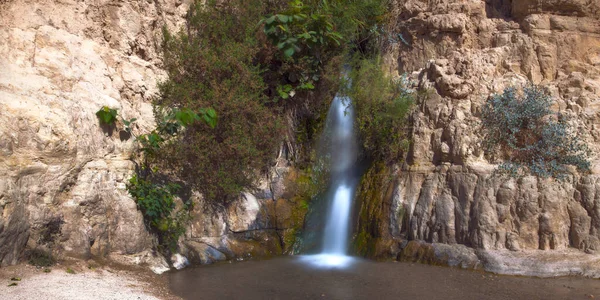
pixel 440 254
pixel 179 261
pixel 200 253
pixel 541 263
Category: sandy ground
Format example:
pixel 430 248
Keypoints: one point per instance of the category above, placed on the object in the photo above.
pixel 90 280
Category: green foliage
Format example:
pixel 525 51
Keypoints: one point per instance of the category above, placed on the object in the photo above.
pixel 129 124
pixel 243 58
pixel 529 136
pixel 382 106
pixel 309 34
pixel 156 201
pixel 171 123
pixel 359 22
pixel 299 29
pixel 70 271
pixel 217 62
pixel 107 115
pixel 40 258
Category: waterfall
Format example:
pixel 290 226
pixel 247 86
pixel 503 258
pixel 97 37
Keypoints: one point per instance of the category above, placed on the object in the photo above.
pixel 339 150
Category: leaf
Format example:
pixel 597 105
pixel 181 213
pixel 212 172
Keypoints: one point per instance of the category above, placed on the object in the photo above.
pixel 270 20
pixel 307 86
pixel 107 115
pixel 211 112
pixel 185 117
pixel 283 18
pixel 269 30
pixel 289 52
pixel 283 28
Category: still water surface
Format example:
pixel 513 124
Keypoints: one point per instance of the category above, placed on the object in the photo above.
pixel 288 278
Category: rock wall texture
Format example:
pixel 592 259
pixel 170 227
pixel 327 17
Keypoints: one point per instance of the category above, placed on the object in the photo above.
pixel 62 179
pixel 462 52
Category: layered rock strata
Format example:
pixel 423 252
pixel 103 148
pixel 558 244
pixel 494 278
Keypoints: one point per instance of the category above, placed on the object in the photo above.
pixel 461 52
pixel 62 177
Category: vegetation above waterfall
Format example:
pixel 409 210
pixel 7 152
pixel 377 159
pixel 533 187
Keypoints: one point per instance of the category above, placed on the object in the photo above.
pixel 269 69
pixel 259 64
pixel 382 105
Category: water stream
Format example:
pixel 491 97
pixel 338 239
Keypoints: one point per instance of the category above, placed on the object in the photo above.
pixel 339 149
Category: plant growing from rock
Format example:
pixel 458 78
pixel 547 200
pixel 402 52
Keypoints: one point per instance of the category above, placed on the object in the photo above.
pixel 107 115
pixel 154 196
pixel 156 201
pixel 382 105
pixel 40 258
pixel 529 138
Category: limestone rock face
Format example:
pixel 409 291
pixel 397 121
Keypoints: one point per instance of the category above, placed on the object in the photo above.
pixel 253 225
pixel 461 52
pixel 62 178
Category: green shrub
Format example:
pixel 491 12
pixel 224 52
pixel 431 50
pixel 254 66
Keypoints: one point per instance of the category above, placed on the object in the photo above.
pixel 40 258
pixel 381 105
pixel 156 201
pixel 312 33
pixel 214 62
pixel 107 115
pixel 528 137
pixel 254 73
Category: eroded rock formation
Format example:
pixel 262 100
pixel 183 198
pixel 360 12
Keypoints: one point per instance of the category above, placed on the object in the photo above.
pixel 62 177
pixel 461 52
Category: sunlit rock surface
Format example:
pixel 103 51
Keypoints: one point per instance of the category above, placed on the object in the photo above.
pixel 62 179
pixel 461 52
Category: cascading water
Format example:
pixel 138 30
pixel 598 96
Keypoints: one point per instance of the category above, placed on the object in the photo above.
pixel 339 149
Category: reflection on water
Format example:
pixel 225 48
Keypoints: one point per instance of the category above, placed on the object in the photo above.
pixel 290 278
pixel 328 260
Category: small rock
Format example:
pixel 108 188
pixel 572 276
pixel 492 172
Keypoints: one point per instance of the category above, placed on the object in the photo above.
pixel 179 261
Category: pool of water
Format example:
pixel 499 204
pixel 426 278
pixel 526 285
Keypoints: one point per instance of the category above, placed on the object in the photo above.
pixel 314 277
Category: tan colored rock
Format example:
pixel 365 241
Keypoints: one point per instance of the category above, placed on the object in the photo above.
pixel 62 179
pixel 447 187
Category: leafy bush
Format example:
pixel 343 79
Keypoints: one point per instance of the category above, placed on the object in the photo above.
pixel 529 137
pixel 381 105
pixel 227 58
pixel 312 33
pixel 155 197
pixel 298 29
pixel 107 115
pixel 156 201
pixel 40 258
pixel 214 62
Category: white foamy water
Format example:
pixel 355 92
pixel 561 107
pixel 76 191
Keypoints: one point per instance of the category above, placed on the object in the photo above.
pixel 342 152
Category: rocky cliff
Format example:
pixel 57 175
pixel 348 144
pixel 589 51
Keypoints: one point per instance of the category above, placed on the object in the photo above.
pixel 62 178
pixel 461 52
